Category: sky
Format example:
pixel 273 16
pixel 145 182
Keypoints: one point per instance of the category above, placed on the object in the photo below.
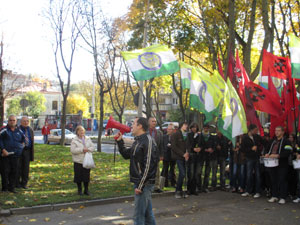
pixel 26 38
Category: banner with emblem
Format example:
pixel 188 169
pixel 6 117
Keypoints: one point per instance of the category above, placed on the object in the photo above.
pixel 239 121
pixel 294 43
pixel 185 73
pixel 204 96
pixel 150 62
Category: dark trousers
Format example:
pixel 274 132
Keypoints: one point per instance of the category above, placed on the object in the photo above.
pixel 168 172
pixel 191 174
pixel 10 169
pixel 253 166
pixel 23 170
pixel 292 181
pixel 239 176
pixel 182 172
pixel 210 165
pixel 2 172
pixel 222 164
pixel 279 181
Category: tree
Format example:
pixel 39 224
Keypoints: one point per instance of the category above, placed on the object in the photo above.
pixel 63 15
pixel 36 104
pixel 78 103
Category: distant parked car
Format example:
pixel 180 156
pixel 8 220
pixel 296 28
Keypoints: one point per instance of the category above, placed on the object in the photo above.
pixel 165 125
pixel 128 139
pixel 55 136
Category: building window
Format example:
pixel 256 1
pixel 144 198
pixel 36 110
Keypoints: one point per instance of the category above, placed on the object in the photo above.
pixel 175 101
pixel 54 105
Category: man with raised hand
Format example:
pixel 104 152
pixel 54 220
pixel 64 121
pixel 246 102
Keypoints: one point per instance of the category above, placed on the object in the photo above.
pixel 144 158
pixel 11 144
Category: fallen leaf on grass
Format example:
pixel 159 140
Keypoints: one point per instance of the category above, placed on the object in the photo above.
pixel 47 219
pixel 81 207
pixel 9 203
pixel 176 215
pixel 32 220
pixel 44 197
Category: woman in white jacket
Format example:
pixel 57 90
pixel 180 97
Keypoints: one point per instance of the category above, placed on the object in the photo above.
pixel 79 146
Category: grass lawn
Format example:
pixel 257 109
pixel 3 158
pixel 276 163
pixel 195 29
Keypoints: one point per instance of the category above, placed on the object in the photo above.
pixel 51 179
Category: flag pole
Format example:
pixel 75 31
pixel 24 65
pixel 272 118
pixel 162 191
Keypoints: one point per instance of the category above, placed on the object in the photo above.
pixel 141 83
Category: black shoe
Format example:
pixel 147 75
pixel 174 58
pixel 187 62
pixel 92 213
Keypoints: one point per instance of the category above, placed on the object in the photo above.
pixel 158 191
pixel 25 187
pixel 4 190
pixel 18 186
pixel 12 191
pixel 87 193
pixel 79 192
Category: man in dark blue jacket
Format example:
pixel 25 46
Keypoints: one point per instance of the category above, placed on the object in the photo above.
pixel 11 144
pixel 144 158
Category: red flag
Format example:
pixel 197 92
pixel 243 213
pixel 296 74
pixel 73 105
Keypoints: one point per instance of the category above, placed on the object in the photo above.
pixel 291 102
pixel 220 67
pixel 240 80
pixel 275 66
pixel 263 100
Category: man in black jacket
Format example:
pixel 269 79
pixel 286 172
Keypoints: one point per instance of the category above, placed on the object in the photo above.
pixel 143 157
pixel 252 146
pixel 168 170
pixel 27 154
pixel 222 146
pixel 281 149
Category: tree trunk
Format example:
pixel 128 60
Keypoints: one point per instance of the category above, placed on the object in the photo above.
pixel 231 39
pixel 63 120
pixel 100 128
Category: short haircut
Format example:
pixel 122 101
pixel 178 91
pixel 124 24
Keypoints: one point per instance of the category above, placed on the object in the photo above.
pixel 10 116
pixel 206 125
pixel 194 124
pixel 182 123
pixel 144 122
pixel 151 117
pixel 79 127
pixel 281 127
pixel 252 127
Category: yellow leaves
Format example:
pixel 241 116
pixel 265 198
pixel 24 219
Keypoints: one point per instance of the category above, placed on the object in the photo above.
pixel 32 220
pixel 176 215
pixel 47 219
pixel 9 203
pixel 44 197
pixel 81 207
pixel 76 103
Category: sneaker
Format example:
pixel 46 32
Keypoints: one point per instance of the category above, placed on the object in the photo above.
pixel 273 199
pixel 246 194
pixel 257 195
pixel 281 201
pixel 178 194
pixel 297 200
pixel 185 194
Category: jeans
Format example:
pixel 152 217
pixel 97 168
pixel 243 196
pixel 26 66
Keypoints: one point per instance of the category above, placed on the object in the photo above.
pixel 182 171
pixel 279 182
pixel 45 137
pixel 253 165
pixel 238 176
pixel 143 214
pixel 210 165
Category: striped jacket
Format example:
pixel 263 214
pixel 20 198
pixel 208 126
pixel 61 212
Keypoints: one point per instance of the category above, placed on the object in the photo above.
pixel 143 157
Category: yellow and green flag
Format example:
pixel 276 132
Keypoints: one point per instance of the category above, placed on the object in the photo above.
pixel 150 62
pixel 294 43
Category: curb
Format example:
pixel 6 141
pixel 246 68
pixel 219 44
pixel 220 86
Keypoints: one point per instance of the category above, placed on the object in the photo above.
pixel 59 206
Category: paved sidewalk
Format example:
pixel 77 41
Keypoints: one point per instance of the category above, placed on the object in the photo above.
pixel 213 208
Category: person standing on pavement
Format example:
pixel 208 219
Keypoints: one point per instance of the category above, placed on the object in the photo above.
pixel 27 154
pixel 181 155
pixel 280 149
pixel 144 158
pixel 210 159
pixel 80 145
pixel 45 132
pixel 251 146
pixel 12 142
pixel 222 146
pixel 157 135
pixel 193 140
pixel 168 170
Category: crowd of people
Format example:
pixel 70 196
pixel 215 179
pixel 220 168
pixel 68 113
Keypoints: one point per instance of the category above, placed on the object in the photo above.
pixel 255 165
